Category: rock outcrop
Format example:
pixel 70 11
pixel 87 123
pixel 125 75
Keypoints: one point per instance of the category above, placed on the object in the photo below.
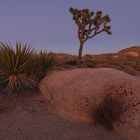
pixel 77 94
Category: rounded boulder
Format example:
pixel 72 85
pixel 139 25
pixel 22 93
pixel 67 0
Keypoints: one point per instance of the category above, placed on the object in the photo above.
pixel 91 95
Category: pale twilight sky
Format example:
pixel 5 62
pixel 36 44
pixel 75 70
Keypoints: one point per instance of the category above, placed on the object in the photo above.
pixel 47 24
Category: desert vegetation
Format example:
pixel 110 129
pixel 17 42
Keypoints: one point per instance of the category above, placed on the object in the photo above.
pixel 120 61
pixel 108 112
pixel 116 102
pixel 126 63
pixel 89 25
pixel 46 95
pixel 22 68
pixel 111 108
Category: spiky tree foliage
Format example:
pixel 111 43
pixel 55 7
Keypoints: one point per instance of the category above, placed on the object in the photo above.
pixel 89 25
pixel 14 65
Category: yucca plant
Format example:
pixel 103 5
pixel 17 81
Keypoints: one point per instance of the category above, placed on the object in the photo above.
pixel 44 62
pixel 14 65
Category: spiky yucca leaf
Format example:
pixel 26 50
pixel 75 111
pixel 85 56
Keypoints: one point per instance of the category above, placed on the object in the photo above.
pixel 44 63
pixel 14 64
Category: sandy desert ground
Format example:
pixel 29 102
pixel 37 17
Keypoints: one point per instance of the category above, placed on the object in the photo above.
pixel 27 118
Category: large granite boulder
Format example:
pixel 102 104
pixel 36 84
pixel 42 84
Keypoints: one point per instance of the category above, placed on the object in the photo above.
pixel 84 95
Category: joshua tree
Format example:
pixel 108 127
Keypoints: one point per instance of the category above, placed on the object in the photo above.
pixel 89 25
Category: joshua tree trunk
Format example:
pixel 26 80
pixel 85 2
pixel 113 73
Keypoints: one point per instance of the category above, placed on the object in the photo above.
pixel 80 55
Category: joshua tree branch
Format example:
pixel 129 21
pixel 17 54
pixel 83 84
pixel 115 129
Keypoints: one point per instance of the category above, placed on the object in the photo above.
pixel 89 25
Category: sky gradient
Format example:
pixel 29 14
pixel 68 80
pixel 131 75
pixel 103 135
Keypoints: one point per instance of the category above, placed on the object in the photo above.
pixel 47 24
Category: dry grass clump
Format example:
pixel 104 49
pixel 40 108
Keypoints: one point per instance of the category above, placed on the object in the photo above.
pixel 71 62
pixel 126 63
pixel 43 63
pixel 108 112
pixel 112 106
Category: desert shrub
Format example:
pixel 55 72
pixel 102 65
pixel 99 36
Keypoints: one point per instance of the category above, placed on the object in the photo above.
pixel 108 112
pixel 91 64
pixel 22 68
pixel 44 62
pixel 123 67
pixel 114 105
pixel 110 109
pixel 71 62
pixel 130 70
pixel 14 64
pixel 137 66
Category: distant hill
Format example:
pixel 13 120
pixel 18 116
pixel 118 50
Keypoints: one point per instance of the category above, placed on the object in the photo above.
pixel 132 51
pixel 134 48
pixel 127 60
